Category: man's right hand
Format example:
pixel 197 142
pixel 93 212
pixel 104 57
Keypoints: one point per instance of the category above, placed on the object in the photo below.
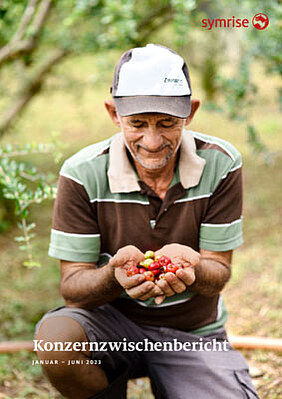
pixel 135 286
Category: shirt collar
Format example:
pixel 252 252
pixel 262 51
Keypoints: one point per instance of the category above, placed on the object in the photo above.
pixel 123 178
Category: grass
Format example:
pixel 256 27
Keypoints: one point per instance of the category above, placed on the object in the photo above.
pixel 253 296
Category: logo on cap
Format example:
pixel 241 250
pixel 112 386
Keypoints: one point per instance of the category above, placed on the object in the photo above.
pixel 176 81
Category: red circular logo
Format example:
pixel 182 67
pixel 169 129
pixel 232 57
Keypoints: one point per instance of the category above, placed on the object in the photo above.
pixel 260 21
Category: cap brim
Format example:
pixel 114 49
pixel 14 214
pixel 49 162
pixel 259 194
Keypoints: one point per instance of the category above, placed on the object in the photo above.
pixel 179 106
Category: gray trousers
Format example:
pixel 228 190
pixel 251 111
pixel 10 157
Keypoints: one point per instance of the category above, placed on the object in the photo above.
pixel 174 374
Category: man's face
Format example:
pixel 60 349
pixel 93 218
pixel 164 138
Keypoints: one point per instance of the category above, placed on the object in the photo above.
pixel 152 139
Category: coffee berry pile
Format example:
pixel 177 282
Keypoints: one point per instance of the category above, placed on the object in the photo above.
pixel 154 267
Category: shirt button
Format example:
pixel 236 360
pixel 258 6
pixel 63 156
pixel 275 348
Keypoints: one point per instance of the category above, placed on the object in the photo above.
pixel 165 209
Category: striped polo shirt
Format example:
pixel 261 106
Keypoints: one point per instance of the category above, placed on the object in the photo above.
pixel 102 205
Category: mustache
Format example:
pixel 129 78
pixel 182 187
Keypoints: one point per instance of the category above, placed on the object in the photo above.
pixel 154 151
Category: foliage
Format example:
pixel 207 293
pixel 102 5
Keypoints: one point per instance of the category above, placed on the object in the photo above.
pixel 258 146
pixel 269 46
pixel 36 35
pixel 22 183
pixel 269 49
pixel 239 91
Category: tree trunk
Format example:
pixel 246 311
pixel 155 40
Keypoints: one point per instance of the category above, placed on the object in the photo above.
pixel 29 91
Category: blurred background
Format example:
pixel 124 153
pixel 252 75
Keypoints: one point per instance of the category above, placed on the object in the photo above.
pixel 56 66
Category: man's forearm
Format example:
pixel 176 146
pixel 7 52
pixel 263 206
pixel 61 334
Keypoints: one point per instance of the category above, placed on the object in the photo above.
pixel 90 287
pixel 211 277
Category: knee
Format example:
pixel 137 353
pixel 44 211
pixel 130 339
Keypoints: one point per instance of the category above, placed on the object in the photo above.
pixel 57 331
pixel 70 380
pixel 60 328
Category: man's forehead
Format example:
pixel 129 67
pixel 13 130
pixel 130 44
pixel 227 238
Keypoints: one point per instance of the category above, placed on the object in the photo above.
pixel 152 115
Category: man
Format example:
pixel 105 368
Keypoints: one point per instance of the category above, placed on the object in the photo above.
pixel 152 186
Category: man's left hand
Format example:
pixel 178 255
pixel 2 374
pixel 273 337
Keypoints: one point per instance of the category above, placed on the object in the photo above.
pixel 178 282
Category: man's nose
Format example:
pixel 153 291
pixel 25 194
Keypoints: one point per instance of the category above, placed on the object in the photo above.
pixel 152 139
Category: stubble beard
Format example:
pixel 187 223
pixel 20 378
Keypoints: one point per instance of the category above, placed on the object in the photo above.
pixel 163 162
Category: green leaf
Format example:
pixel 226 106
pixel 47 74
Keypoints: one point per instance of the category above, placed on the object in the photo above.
pixel 31 264
pixel 30 226
pixel 19 239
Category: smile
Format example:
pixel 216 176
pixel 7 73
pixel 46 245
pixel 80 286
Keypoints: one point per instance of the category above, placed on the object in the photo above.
pixel 148 151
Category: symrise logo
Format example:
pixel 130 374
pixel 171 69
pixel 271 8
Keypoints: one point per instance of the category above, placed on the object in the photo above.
pixel 260 21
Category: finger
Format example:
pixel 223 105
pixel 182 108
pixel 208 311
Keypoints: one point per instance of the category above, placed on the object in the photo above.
pixel 194 258
pixel 129 256
pixel 133 281
pixel 181 261
pixel 117 260
pixel 159 299
pixel 140 290
pixel 165 287
pixel 122 260
pixel 187 259
pixel 128 282
pixel 156 291
pixel 175 283
pixel 186 275
pixel 184 263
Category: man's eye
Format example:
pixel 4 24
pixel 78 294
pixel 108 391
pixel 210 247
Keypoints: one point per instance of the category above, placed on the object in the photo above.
pixel 137 125
pixel 167 124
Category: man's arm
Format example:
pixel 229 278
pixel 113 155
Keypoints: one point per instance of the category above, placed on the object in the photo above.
pixel 83 285
pixel 212 273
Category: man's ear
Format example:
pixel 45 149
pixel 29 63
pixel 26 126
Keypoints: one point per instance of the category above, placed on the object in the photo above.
pixel 110 107
pixel 195 103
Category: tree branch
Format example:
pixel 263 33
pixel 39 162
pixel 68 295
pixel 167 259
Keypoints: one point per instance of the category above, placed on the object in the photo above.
pixel 156 13
pixel 40 17
pixel 30 89
pixel 26 18
pixel 144 38
pixel 153 22
pixel 15 48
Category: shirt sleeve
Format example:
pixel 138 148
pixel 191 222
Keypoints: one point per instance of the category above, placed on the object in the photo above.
pixel 75 234
pixel 221 227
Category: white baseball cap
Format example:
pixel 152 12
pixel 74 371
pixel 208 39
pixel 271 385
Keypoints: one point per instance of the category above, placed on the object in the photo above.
pixel 153 78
